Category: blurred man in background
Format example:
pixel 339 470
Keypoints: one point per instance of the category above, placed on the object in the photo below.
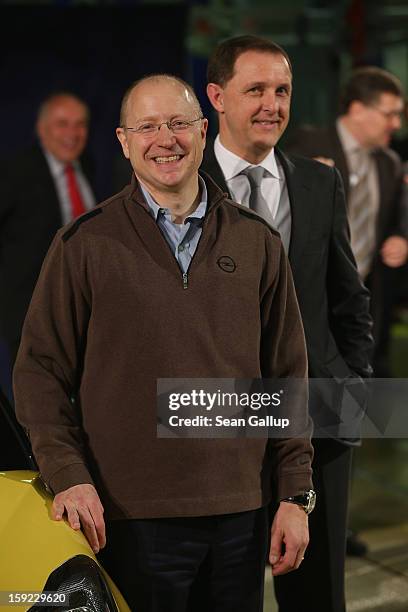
pixel 358 145
pixel 42 188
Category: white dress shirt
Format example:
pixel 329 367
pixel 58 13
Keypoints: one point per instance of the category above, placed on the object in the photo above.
pixel 57 170
pixel 273 187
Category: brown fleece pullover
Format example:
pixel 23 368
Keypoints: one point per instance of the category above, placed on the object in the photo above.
pixel 111 314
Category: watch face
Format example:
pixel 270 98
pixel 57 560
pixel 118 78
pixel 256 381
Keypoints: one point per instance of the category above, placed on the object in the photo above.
pixel 306 500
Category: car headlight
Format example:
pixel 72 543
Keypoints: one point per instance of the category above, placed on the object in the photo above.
pixel 78 585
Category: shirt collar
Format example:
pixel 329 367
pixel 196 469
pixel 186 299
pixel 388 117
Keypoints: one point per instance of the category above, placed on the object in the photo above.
pixel 349 143
pixel 198 213
pixel 232 165
pixel 57 167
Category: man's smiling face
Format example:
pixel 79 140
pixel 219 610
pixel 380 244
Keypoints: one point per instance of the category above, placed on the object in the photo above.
pixel 164 161
pixel 254 104
pixel 63 128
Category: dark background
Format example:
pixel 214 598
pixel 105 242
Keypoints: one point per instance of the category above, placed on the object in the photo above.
pixel 94 52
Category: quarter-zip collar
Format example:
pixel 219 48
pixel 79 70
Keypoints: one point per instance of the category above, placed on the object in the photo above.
pixel 215 194
pixel 145 226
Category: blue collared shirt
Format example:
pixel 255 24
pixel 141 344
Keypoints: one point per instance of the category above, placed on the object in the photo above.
pixel 182 237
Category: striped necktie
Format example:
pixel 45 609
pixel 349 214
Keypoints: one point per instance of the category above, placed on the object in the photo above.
pixel 257 202
pixel 361 216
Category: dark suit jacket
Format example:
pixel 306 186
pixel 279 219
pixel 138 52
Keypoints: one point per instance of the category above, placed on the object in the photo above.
pixel 333 302
pixel 311 142
pixel 29 217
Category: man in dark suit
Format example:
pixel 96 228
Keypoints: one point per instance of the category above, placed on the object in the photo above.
pixel 43 188
pixel 250 82
pixel 357 144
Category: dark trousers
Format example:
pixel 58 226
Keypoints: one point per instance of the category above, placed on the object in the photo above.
pixel 199 564
pixel 319 582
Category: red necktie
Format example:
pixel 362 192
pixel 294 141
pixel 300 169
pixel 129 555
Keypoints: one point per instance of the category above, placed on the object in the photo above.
pixel 77 204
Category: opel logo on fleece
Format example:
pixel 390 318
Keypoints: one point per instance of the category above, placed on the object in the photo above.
pixel 227 264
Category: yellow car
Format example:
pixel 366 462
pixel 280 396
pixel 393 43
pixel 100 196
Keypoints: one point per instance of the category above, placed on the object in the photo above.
pixel 44 564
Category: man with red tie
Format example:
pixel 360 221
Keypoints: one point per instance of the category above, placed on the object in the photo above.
pixel 42 188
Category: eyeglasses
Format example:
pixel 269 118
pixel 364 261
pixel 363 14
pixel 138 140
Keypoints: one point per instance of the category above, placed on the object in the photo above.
pixel 391 114
pixel 177 126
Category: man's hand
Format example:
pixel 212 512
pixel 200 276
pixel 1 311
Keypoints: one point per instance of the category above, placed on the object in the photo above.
pixel 290 527
pixel 394 251
pixel 82 506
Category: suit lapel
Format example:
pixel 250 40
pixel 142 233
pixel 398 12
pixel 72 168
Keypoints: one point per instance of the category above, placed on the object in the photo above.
pixel 211 166
pixel 339 158
pixel 385 193
pixel 46 187
pixel 300 206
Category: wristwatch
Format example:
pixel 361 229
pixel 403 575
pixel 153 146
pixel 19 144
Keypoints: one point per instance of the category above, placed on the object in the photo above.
pixel 306 500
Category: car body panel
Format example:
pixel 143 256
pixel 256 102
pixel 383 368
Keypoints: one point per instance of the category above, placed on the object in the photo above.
pixel 32 544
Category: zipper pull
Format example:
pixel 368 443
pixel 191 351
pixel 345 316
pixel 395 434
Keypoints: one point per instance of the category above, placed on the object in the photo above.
pixel 185 280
